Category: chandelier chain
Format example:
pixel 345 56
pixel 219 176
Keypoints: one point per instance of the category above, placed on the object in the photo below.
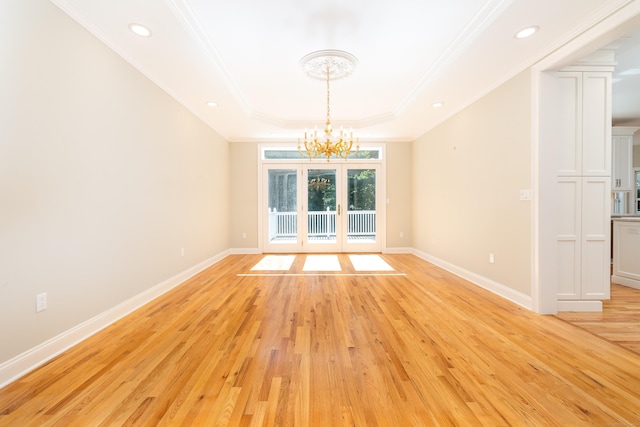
pixel 328 104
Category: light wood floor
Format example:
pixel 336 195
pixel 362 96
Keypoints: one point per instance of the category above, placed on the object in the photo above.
pixel 425 349
pixel 619 321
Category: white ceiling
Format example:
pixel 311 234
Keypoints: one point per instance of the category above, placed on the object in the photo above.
pixel 243 54
pixel 626 80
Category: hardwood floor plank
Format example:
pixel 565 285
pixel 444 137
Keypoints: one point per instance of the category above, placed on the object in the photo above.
pixel 619 321
pixel 422 348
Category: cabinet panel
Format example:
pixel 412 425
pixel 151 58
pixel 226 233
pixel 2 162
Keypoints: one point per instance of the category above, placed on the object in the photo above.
pixel 568 269
pixel 596 237
pixel 626 261
pixel 583 238
pixel 622 170
pixel 584 131
pixel 596 124
pixel 570 124
pixel 569 243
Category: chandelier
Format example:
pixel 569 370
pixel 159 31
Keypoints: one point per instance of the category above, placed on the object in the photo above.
pixel 327 64
pixel 319 183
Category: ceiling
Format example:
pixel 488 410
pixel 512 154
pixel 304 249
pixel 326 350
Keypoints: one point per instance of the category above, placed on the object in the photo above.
pixel 244 55
pixel 626 80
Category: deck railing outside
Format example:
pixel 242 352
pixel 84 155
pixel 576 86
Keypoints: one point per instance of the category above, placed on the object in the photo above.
pixel 282 224
pixel 321 224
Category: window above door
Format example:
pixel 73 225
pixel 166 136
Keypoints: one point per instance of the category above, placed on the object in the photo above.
pixel 292 153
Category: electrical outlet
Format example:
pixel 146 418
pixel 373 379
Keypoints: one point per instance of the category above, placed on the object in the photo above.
pixel 181 251
pixel 244 235
pixel 491 258
pixel 41 302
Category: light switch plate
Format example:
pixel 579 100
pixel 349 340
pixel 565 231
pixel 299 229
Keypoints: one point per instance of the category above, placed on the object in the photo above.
pixel 41 302
pixel 525 195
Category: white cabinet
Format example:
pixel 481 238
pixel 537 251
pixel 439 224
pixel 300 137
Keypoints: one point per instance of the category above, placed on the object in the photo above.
pixel 585 134
pixel 583 238
pixel 622 176
pixel 626 262
pixel 583 171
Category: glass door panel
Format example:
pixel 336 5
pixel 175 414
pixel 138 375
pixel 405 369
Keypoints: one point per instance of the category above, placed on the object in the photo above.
pixel 361 205
pixel 362 219
pixel 322 209
pixel 282 210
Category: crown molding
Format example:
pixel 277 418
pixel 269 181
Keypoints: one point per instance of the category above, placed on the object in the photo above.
pixel 475 27
pixel 185 14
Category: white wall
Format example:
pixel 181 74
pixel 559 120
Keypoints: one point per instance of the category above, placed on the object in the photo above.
pixel 467 177
pixel 244 195
pixel 103 178
pixel 399 192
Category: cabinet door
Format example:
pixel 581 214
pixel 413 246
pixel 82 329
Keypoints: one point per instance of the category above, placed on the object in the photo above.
pixel 622 163
pixel 625 258
pixel 596 124
pixel 569 124
pixel 596 238
pixel 584 131
pixel 583 238
pixel 568 237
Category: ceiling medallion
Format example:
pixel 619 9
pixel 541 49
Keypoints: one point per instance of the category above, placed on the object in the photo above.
pixel 327 65
pixel 341 64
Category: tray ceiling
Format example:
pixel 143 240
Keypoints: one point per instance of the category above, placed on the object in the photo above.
pixel 244 55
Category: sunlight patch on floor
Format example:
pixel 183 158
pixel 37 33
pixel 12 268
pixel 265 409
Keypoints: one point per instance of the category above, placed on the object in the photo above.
pixel 369 263
pixel 275 263
pixel 322 263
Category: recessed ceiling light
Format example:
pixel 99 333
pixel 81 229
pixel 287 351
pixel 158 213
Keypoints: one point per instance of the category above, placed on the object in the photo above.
pixel 140 30
pixel 527 32
pixel 437 104
pixel 212 104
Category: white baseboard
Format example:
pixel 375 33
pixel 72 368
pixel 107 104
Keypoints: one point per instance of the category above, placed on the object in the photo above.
pixel 580 306
pixel 497 288
pixel 624 281
pixel 244 251
pixel 16 367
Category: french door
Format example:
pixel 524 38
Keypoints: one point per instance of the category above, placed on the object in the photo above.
pixel 321 208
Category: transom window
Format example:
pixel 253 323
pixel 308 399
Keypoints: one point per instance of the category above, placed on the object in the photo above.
pixel 291 153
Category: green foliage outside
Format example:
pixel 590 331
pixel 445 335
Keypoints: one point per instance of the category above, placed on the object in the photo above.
pixel 361 189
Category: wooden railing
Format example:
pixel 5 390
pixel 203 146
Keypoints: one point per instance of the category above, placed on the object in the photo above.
pixel 361 223
pixel 320 224
pixel 282 224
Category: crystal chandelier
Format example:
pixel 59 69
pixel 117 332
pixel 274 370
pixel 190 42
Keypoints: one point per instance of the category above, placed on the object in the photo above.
pixel 327 64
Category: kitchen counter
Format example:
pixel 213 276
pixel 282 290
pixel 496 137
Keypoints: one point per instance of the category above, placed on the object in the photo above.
pixel 626 250
pixel 626 217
